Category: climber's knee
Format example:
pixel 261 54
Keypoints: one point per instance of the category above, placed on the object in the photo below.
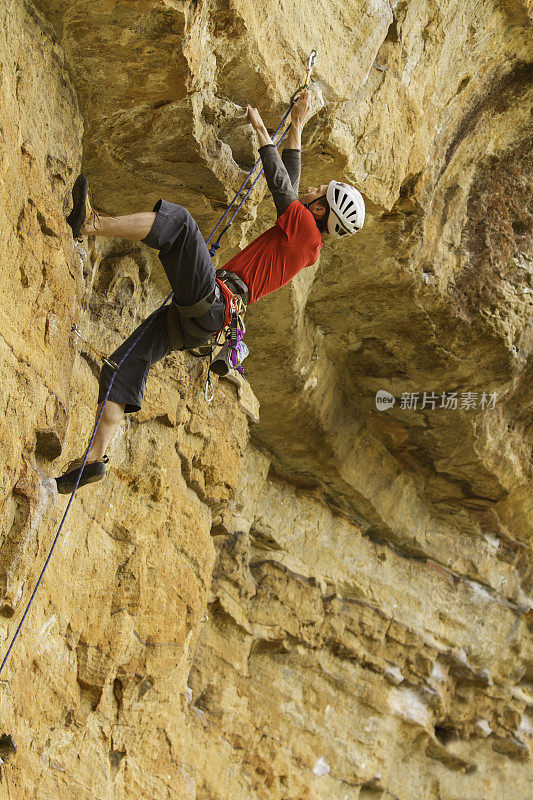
pixel 172 222
pixel 113 412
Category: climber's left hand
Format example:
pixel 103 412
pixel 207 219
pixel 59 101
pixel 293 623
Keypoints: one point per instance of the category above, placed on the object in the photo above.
pixel 254 118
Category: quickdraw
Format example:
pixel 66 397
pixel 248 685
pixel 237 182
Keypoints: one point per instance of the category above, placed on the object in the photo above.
pixel 310 67
pixel 76 331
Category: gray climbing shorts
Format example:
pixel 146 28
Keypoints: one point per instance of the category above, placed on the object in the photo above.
pixel 190 271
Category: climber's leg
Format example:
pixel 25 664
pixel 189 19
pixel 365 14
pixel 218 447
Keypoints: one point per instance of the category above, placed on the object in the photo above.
pixel 182 252
pixel 189 268
pixel 129 382
pixel 170 229
pixel 131 226
pixel 125 395
pixel 94 469
pixel 112 416
pixel 85 221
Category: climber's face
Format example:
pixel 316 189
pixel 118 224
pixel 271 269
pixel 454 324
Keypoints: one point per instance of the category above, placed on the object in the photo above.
pixel 315 193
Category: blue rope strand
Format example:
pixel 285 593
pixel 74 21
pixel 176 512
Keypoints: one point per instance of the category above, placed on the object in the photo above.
pixel 217 243
pixel 239 190
pixel 213 249
pixel 106 397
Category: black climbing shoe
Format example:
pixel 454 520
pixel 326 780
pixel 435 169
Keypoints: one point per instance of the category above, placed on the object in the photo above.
pixel 81 206
pixel 92 472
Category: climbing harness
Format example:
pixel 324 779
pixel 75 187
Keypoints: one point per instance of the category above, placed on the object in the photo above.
pixel 237 311
pixel 233 351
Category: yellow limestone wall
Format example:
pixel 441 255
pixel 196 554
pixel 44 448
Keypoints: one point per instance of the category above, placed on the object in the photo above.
pixel 92 694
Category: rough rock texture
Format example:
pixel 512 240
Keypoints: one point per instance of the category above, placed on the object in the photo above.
pixel 335 666
pixel 369 632
pixel 91 695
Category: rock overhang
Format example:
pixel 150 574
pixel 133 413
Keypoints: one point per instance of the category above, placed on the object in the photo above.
pixel 409 104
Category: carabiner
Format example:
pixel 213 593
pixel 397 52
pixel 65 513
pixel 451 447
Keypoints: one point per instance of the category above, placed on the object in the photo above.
pixel 310 66
pixel 104 358
pixel 209 391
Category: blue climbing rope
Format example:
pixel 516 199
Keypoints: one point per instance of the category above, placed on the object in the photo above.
pixel 215 246
pixel 212 250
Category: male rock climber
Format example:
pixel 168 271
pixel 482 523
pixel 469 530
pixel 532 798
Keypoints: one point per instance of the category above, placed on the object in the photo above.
pixel 202 301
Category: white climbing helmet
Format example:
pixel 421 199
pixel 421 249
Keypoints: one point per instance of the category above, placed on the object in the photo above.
pixel 347 213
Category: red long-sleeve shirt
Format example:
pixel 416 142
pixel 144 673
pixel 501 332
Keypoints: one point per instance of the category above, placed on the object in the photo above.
pixel 271 260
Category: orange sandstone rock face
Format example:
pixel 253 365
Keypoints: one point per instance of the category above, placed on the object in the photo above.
pixel 334 664
pixel 368 582
pixel 92 693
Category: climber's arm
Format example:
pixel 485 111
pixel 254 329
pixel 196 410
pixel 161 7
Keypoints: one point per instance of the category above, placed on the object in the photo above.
pixel 276 174
pixel 293 143
pixel 299 111
pixel 254 118
pixel 292 163
pixel 277 178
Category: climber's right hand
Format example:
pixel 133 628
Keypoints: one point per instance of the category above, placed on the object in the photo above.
pixel 300 109
pixel 254 118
